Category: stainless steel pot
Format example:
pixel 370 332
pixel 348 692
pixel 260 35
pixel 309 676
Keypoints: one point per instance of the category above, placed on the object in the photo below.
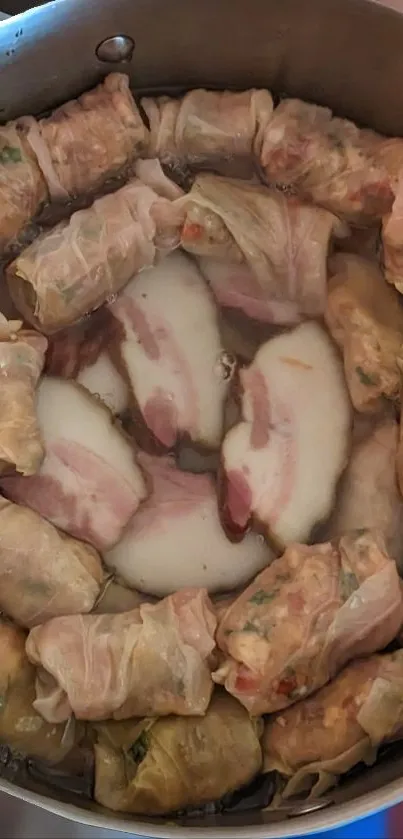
pixel 347 54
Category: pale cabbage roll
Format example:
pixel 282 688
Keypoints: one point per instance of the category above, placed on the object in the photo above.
pixel 78 265
pixel 89 139
pixel 218 128
pixel 22 187
pixel 43 573
pixel 322 737
pixel 392 240
pixel 369 494
pixel 154 660
pixel 275 246
pixel 22 356
pixel 163 765
pixel 365 318
pixel 305 617
pixel 327 160
pixel 21 727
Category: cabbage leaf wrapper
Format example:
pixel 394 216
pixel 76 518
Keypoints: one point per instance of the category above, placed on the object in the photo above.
pixel 344 723
pixel 164 765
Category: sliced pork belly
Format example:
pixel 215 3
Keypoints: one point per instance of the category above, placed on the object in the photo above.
pixel 89 483
pixel 80 263
pixel 172 354
pixel 327 160
pixel 305 617
pixel 104 381
pixel 81 352
pixel 282 462
pixel 22 355
pixel 175 539
pixel 369 495
pixel 151 661
pixel 206 127
pixel 89 139
pixel 22 187
pixel 273 248
pixel 365 318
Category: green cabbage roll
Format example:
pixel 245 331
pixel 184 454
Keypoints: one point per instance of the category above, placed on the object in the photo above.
pixel 159 766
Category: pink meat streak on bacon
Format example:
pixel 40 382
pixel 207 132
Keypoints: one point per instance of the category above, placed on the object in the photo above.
pixel 79 492
pixel 161 415
pixel 174 494
pixel 126 307
pixel 277 419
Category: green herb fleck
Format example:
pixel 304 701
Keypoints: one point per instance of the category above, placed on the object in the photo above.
pixel 251 627
pixel 261 596
pixel 366 378
pixel 348 583
pixel 10 154
pixel 139 748
pixel 228 632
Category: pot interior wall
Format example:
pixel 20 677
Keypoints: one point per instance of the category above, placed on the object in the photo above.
pixel 347 54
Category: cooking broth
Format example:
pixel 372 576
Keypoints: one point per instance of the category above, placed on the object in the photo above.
pixel 203 404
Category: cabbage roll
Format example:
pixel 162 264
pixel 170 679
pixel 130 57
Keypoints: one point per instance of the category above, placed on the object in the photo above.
pixel 365 318
pixel 322 737
pixel 305 617
pixel 206 127
pixel 89 139
pixel 22 187
pixel 392 240
pixel 43 573
pixel 76 266
pixel 159 766
pixel 279 246
pixel 327 160
pixel 153 661
pixel 22 355
pixel 369 495
pixel 21 727
pixel 89 483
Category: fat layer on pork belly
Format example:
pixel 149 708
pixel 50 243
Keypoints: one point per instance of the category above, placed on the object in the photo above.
pixel 89 483
pixel 176 540
pixel 171 353
pixel 281 463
